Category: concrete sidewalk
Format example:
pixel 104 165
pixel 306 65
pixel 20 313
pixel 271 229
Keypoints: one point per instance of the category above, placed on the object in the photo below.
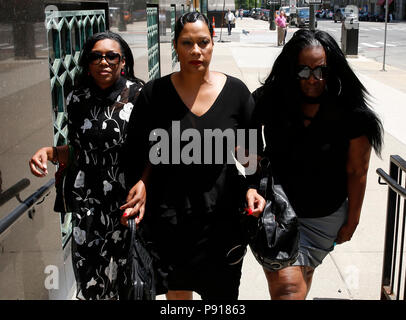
pixel 353 270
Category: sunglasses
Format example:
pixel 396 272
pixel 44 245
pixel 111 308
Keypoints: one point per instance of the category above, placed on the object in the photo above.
pixel 319 73
pixel 112 58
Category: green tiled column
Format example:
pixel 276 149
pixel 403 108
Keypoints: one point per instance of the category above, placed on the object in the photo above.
pixel 173 21
pixel 154 68
pixel 67 32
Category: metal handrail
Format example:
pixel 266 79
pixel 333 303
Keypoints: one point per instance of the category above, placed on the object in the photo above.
pixel 392 183
pixel 14 191
pixel 392 267
pixel 399 161
pixel 6 222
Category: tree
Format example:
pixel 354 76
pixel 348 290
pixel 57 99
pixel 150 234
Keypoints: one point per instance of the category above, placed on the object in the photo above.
pixel 242 4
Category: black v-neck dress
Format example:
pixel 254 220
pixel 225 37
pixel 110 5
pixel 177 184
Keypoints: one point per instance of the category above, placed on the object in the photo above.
pixel 192 213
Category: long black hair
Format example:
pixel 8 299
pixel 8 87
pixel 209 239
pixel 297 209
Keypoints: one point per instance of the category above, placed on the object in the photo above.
pixel 190 17
pixel 342 85
pixel 83 78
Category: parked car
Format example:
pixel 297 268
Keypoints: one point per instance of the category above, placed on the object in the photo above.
pixel 363 15
pixel 138 15
pixel 246 13
pixel 302 17
pixel 379 18
pixel 321 14
pixel 258 14
pixel 325 14
pixel 255 13
pixel 339 15
pixel 265 14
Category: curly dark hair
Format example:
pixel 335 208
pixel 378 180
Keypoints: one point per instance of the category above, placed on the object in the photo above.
pixel 342 84
pixel 84 78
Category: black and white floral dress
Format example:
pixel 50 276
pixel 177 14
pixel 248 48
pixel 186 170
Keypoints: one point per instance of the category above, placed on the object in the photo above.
pixel 97 129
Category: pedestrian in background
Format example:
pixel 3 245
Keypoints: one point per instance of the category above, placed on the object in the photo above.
pixel 98 109
pixel 230 20
pixel 192 215
pixel 319 131
pixel 280 21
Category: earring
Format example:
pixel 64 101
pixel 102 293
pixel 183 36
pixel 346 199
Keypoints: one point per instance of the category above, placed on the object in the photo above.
pixel 88 73
pixel 339 90
pixel 122 72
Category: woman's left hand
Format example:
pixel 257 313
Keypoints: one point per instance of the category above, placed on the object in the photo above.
pixel 135 206
pixel 346 232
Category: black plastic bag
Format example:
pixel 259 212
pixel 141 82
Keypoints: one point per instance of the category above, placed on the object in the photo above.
pixel 274 236
pixel 64 180
pixel 139 270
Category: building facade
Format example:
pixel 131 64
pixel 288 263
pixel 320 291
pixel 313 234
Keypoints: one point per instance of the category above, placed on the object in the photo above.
pixel 216 10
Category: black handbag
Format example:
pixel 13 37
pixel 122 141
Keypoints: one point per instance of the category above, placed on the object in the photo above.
pixel 274 236
pixel 65 178
pixel 139 270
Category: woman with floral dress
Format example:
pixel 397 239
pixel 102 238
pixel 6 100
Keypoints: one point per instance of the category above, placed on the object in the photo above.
pixel 98 110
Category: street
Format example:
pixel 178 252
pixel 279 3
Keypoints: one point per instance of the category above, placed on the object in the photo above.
pixel 370 41
pixel 248 30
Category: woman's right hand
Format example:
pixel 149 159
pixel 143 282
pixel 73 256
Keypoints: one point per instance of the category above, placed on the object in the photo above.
pixel 135 205
pixel 38 162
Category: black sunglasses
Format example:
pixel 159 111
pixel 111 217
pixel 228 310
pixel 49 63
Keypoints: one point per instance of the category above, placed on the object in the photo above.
pixel 112 58
pixel 319 73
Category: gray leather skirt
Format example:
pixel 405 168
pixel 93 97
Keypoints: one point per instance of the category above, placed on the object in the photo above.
pixel 317 236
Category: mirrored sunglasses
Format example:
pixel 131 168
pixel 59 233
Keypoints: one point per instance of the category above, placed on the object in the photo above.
pixel 319 73
pixel 112 58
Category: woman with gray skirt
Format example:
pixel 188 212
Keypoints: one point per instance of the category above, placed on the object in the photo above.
pixel 319 142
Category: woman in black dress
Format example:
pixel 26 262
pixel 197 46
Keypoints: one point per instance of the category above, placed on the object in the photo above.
pixel 192 208
pixel 319 132
pixel 98 109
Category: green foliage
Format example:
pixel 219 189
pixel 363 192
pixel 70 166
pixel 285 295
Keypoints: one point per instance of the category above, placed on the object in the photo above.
pixel 245 4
